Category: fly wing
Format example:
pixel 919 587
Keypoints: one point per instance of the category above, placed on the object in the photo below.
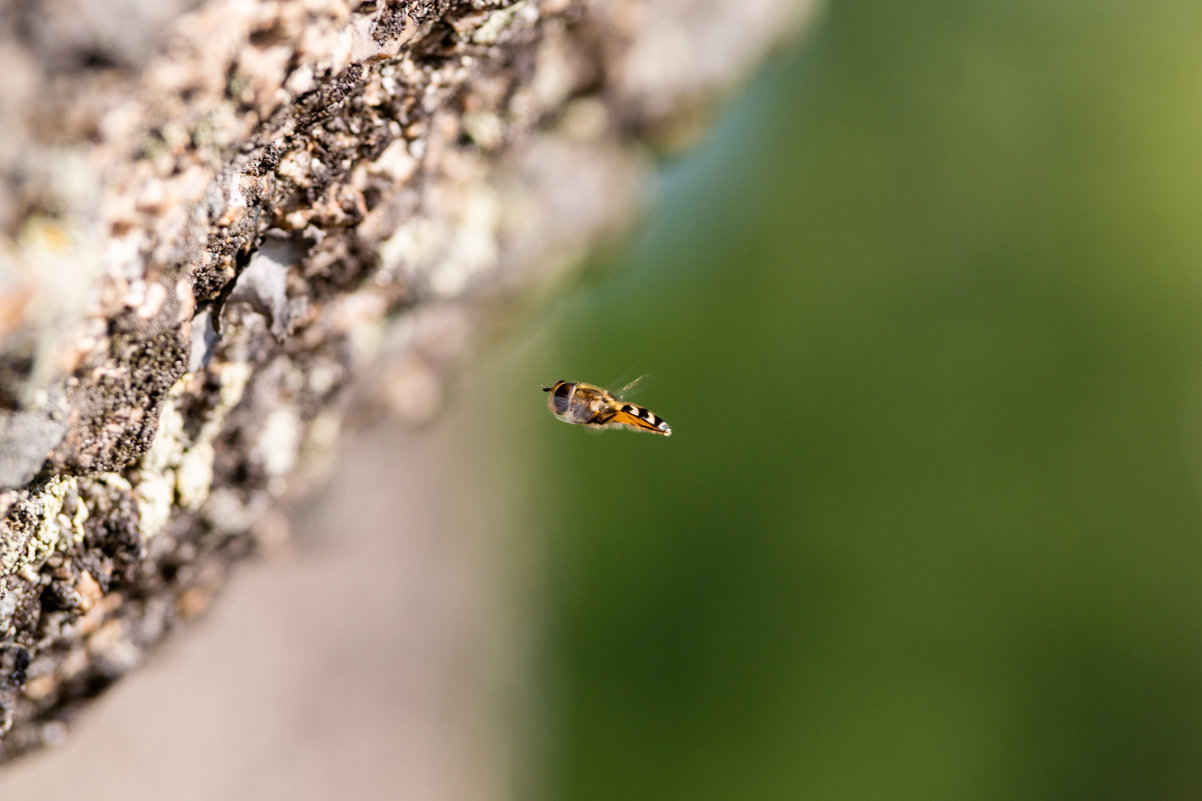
pixel 626 389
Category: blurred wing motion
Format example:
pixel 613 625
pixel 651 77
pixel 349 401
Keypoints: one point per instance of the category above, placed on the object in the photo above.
pixel 624 391
pixel 588 405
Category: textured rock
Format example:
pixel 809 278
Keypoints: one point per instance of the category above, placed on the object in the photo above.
pixel 216 218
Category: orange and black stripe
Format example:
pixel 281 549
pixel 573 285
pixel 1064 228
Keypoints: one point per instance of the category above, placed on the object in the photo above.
pixel 640 418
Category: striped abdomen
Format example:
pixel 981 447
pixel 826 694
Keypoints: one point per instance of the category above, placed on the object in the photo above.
pixel 638 418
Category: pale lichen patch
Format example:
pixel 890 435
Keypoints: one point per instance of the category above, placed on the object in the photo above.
pixel 195 475
pixel 177 468
pixel 60 524
pixel 155 488
pixel 154 496
pixel 484 128
pixel 279 442
pixel 228 512
pixel 496 22
pixel 163 453
pixel 473 245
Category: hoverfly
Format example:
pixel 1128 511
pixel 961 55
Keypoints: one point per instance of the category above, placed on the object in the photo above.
pixel 589 405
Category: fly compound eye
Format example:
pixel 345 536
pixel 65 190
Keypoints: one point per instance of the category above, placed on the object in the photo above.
pixel 559 398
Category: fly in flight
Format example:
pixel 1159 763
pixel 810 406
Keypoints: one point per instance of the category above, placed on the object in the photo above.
pixel 589 405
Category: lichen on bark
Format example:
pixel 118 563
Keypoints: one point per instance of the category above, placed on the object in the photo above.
pixel 219 218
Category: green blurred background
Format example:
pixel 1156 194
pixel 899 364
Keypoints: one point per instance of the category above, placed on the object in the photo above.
pixel 925 313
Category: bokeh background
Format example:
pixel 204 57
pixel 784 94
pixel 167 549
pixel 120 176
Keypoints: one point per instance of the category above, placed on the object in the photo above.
pixel 924 310
pixel 925 314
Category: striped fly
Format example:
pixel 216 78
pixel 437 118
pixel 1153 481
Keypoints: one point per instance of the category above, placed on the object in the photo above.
pixel 589 405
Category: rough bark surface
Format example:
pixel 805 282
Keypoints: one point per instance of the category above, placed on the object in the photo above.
pixel 218 217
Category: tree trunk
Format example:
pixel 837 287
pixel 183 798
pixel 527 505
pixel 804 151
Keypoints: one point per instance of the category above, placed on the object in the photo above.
pixel 218 218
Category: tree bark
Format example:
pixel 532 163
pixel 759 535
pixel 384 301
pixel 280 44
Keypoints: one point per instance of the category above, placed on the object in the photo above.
pixel 218 219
